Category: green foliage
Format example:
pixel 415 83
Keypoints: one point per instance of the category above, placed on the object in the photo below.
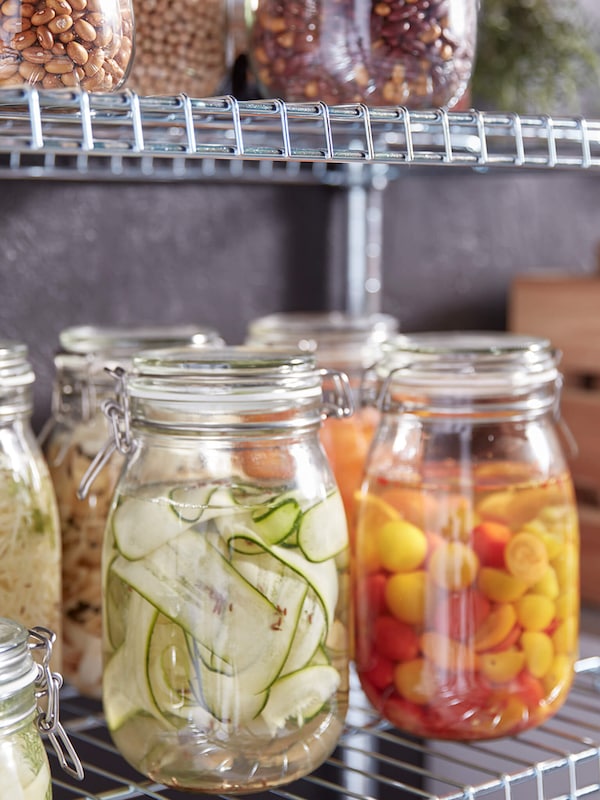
pixel 535 55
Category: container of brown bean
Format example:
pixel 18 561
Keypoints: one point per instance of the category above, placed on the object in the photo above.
pixel 412 53
pixel 53 44
pixel 181 46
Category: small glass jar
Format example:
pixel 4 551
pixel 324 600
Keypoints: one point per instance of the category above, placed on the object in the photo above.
pixel 412 53
pixel 343 342
pixel 75 432
pixel 467 543
pixel 24 683
pixel 54 44
pixel 225 571
pixel 30 550
pixel 181 46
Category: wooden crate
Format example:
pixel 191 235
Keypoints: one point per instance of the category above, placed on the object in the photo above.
pixel 566 310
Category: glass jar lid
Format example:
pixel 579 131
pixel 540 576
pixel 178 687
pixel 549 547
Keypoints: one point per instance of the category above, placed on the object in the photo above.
pixel 17 667
pixel 337 338
pixel 453 366
pixel 216 378
pixel 15 369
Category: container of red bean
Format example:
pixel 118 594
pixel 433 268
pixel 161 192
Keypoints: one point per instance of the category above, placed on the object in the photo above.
pixel 53 44
pixel 413 53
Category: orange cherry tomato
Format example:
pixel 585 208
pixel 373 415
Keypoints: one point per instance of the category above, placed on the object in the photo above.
pixel 489 540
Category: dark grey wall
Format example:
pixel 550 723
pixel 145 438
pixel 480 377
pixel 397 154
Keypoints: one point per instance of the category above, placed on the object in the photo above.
pixel 222 254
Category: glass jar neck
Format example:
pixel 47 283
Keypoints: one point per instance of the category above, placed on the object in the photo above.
pixel 18 673
pixel 484 376
pixel 16 381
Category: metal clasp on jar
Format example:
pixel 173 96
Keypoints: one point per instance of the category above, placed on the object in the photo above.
pixel 117 413
pixel 337 399
pixel 48 685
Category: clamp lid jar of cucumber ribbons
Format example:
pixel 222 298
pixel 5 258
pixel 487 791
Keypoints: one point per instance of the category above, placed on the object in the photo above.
pixel 467 541
pixel 351 343
pixel 29 709
pixel 70 439
pixel 225 566
pixel 30 560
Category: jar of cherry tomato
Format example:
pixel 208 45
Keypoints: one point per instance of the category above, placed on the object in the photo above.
pixel 467 543
pixel 342 342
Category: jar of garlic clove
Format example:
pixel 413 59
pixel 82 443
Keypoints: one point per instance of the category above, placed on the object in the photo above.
pixel 53 44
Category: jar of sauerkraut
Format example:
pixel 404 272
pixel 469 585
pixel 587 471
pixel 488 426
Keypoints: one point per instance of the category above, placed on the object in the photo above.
pixel 467 541
pixel 29 707
pixel 225 571
pixel 73 435
pixel 351 343
pixel 30 552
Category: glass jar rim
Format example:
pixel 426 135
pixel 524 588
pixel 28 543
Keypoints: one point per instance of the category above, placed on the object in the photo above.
pixel 15 369
pixel 331 335
pixel 123 340
pixel 469 362
pixel 17 667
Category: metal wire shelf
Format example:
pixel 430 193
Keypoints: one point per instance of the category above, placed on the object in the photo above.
pixel 71 134
pixel 560 760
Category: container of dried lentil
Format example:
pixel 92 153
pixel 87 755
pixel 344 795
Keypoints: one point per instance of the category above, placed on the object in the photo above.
pixel 414 53
pixel 53 44
pixel 181 46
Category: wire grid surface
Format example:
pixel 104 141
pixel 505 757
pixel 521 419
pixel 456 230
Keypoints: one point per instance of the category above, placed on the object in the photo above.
pixel 560 760
pixel 71 133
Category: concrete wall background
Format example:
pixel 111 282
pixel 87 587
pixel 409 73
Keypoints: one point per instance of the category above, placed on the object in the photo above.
pixel 220 255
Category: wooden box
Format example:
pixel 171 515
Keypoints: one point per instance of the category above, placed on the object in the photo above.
pixel 566 310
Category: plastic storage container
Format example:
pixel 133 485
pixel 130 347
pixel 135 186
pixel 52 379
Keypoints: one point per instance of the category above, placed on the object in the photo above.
pixel 30 551
pixel 181 47
pixel 413 53
pixel 344 342
pixel 53 44
pixel 29 706
pixel 225 572
pixel 73 435
pixel 467 550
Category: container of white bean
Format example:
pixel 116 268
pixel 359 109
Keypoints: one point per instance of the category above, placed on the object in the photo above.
pixel 182 46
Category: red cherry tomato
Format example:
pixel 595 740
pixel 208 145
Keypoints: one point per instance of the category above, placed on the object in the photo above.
pixel 395 639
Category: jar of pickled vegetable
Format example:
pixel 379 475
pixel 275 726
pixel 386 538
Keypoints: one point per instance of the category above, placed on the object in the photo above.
pixel 225 566
pixel 412 53
pixel 29 707
pixel 467 542
pixel 75 432
pixel 344 342
pixel 30 550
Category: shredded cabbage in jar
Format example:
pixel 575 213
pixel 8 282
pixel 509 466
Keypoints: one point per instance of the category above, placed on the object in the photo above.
pixel 30 569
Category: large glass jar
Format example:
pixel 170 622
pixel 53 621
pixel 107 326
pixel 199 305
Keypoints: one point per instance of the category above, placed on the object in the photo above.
pixel 30 551
pixel 413 53
pixel 180 46
pixel 225 571
pixel 351 343
pixel 29 706
pixel 467 550
pixel 75 432
pixel 54 44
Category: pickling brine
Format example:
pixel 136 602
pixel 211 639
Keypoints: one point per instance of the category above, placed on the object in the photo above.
pixel 467 600
pixel 222 622
pixel 466 570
